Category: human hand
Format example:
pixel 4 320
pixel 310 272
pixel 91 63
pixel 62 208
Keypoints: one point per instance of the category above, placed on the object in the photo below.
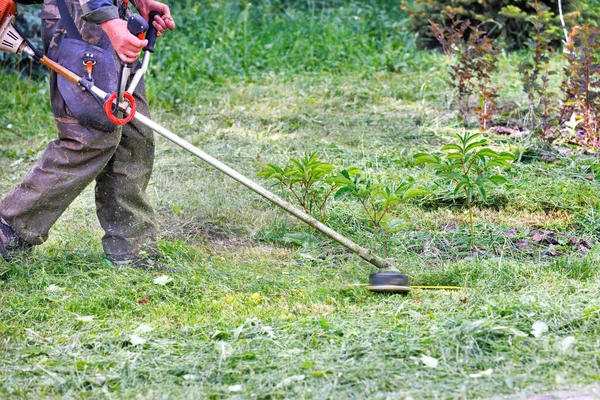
pixel 162 22
pixel 127 46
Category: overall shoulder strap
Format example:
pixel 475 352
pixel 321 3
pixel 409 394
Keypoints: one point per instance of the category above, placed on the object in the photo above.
pixel 67 20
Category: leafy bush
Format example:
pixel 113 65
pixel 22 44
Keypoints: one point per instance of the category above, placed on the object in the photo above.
pixel 506 19
pixel 470 166
pixel 309 180
pixel 378 199
pixel 311 183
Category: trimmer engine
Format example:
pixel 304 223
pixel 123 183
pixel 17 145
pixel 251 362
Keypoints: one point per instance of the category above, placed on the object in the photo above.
pixel 11 39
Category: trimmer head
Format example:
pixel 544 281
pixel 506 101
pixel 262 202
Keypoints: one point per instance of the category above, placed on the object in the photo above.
pixel 11 39
pixel 388 282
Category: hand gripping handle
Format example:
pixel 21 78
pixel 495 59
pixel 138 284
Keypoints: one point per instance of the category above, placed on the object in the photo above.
pixel 151 34
pixel 137 26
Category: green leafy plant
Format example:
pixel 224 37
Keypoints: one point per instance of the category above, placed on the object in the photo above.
pixel 535 72
pixel 309 180
pixel 471 167
pixel 475 60
pixel 378 199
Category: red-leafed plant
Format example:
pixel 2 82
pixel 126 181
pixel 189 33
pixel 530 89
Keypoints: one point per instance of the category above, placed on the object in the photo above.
pixel 535 73
pixel 582 84
pixel 475 60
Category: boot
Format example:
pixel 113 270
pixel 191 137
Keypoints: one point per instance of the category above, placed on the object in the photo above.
pixel 11 244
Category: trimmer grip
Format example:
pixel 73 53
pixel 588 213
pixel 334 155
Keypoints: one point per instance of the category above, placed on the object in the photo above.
pixel 137 26
pixel 151 34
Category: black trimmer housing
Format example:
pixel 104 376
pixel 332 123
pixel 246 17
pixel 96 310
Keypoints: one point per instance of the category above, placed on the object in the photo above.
pixel 388 282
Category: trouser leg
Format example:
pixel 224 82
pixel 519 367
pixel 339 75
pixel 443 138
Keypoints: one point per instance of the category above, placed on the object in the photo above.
pixel 121 201
pixel 66 167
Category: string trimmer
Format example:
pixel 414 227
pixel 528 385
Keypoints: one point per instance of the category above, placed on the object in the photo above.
pixel 387 279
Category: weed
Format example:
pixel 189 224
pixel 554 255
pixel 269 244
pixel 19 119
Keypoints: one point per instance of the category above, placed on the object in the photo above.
pixel 452 40
pixel 485 60
pixel 310 181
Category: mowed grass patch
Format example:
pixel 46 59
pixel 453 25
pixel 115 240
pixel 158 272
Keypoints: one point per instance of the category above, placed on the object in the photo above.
pixel 284 326
pixel 249 312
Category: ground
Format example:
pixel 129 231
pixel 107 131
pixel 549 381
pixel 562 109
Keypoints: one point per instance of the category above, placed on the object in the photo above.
pixel 258 306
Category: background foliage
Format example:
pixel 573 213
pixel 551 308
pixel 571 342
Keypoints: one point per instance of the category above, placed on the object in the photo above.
pixel 505 19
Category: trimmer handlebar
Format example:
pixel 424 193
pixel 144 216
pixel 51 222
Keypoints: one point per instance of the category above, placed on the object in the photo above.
pixel 151 34
pixel 151 37
pixel 137 26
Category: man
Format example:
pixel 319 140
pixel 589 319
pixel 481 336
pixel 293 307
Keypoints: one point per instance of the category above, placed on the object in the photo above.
pixel 120 162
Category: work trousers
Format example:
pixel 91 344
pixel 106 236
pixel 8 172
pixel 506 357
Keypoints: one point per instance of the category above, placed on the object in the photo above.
pixel 120 162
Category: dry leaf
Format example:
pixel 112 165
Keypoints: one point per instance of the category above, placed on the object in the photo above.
pixel 143 328
pixel 537 237
pixel 566 343
pixel 416 315
pixel 256 297
pixel 54 288
pixel 235 388
pixel 291 379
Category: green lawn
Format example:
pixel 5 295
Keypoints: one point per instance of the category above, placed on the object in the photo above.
pixel 257 305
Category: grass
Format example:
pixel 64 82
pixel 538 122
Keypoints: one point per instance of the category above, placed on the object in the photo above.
pixel 259 307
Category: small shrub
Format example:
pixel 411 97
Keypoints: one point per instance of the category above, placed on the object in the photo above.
pixel 309 180
pixel 378 199
pixel 485 62
pixel 476 59
pixel 535 73
pixel 471 167
pixel 312 183
pixel 581 87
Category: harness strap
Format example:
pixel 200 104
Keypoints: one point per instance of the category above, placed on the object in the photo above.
pixel 67 20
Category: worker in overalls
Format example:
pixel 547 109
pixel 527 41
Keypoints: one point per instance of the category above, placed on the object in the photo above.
pixel 120 161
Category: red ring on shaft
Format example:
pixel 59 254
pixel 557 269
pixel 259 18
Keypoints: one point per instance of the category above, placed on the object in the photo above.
pixel 109 113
